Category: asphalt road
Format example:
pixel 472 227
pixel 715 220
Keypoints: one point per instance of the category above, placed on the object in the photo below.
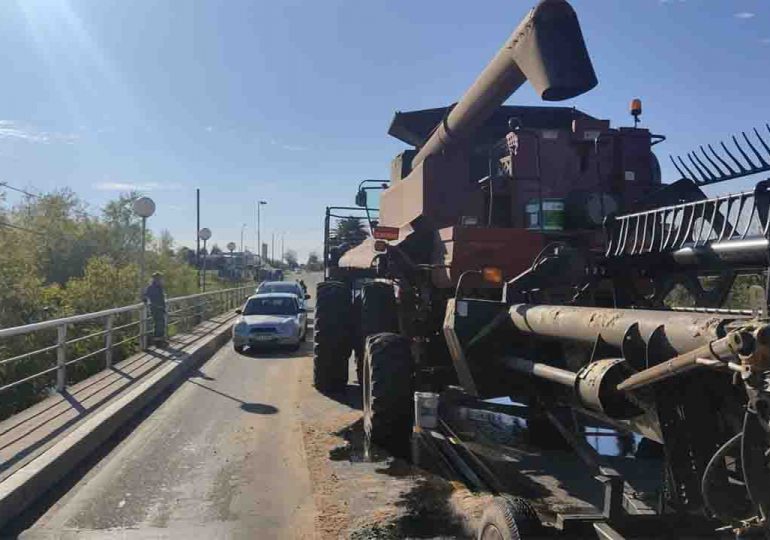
pixel 222 457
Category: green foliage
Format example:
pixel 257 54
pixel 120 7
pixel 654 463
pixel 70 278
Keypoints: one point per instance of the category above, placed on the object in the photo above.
pixel 350 231
pixel 58 260
pixel 103 285
pixel 314 262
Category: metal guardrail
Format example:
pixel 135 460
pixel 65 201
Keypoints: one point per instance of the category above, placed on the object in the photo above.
pixel 693 224
pixel 72 340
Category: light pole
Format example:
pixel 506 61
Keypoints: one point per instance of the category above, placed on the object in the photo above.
pixel 231 247
pixel 204 234
pixel 242 229
pixel 259 236
pixel 143 207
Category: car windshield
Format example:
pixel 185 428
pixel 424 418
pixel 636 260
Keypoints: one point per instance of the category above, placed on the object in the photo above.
pixel 270 306
pixel 292 288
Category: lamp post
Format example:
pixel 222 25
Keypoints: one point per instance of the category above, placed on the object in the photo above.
pixel 242 229
pixel 204 234
pixel 143 207
pixel 231 247
pixel 259 237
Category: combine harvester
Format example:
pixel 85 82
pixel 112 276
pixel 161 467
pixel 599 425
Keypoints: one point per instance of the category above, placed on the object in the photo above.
pixel 529 252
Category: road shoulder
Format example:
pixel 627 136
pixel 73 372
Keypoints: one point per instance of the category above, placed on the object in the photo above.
pixel 382 498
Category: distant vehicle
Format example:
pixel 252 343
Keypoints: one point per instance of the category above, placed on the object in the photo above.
pixel 292 287
pixel 270 319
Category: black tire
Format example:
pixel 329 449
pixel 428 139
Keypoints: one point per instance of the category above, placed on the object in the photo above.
pixel 388 382
pixel 238 348
pixel 509 518
pixel 377 308
pixel 358 343
pixel 331 337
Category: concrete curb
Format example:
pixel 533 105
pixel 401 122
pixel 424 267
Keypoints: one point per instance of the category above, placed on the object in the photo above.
pixel 26 485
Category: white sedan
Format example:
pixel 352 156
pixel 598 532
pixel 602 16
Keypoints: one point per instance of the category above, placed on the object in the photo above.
pixel 270 319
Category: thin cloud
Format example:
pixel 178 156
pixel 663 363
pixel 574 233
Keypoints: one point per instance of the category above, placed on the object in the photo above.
pixel 744 15
pixel 136 186
pixel 294 147
pixel 11 130
pixel 765 41
pixel 289 147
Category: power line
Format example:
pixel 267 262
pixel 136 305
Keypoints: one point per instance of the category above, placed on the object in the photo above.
pixel 10 226
pixel 6 185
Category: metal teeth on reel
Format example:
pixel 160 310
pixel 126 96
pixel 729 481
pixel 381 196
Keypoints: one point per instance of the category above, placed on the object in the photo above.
pixel 720 169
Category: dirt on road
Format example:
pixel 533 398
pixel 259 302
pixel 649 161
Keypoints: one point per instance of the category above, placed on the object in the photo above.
pixel 382 498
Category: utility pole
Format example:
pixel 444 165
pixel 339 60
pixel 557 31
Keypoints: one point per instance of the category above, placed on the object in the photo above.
pixel 259 237
pixel 197 235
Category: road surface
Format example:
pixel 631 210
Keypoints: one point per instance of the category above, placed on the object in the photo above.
pixel 222 457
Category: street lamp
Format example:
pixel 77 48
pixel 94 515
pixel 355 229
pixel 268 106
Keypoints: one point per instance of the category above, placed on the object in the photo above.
pixel 259 236
pixel 242 229
pixel 143 207
pixel 231 247
pixel 204 234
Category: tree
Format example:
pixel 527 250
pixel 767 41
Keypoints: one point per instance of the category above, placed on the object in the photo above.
pixel 216 250
pixel 165 243
pixel 350 231
pixel 313 262
pixel 291 258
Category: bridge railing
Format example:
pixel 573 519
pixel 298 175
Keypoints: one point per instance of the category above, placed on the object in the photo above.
pixel 49 355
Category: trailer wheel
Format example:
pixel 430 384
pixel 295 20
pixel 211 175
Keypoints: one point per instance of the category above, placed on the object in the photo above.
pixel 388 391
pixel 377 309
pixel 331 337
pixel 509 518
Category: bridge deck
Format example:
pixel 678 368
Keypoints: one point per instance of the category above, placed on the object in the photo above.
pixel 26 435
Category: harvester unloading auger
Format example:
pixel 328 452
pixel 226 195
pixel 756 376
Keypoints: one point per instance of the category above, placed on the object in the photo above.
pixel 529 252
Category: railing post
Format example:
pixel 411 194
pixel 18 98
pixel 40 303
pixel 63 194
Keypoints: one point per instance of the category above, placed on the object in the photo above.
pixel 143 327
pixel 108 341
pixel 61 357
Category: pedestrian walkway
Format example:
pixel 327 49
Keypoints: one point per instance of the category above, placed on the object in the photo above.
pixel 28 434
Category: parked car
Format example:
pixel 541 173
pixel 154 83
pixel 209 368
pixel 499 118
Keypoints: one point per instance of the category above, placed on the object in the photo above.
pixel 270 319
pixel 292 287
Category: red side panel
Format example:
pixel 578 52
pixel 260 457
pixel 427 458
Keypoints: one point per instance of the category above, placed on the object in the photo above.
pixel 470 248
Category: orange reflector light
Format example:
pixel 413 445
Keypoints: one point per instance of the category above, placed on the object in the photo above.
pixel 636 107
pixel 492 274
pixel 380 246
pixel 385 233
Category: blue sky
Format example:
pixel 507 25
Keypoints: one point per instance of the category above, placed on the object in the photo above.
pixel 290 101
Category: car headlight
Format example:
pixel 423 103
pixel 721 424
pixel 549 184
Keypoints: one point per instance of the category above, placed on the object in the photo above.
pixel 289 327
pixel 241 328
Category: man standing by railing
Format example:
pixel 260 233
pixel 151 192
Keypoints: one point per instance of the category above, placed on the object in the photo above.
pixel 155 295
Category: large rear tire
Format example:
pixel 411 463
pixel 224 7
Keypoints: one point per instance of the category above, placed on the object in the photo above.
pixel 388 382
pixel 331 337
pixel 509 518
pixel 377 307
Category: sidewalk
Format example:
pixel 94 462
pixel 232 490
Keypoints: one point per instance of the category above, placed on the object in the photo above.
pixel 41 444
